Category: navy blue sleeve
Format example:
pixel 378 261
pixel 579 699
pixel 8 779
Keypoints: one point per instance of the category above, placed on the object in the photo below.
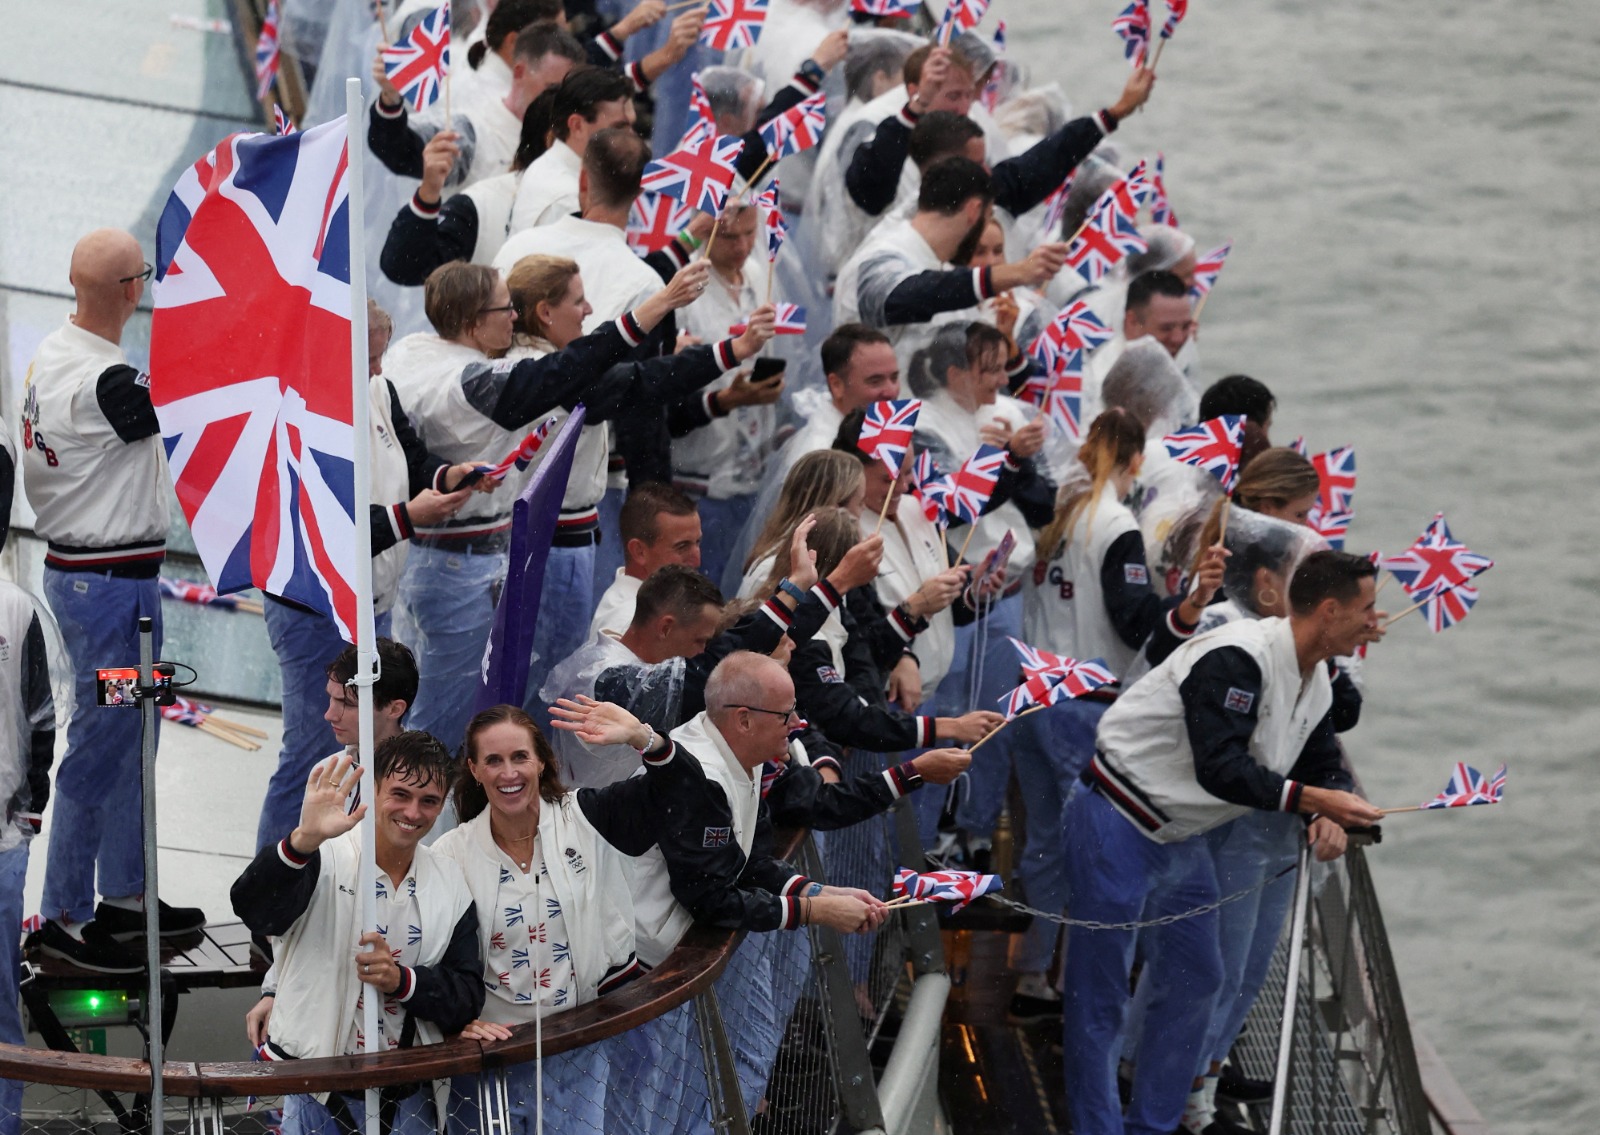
pixel 393 142
pixel 1321 762
pixel 1022 182
pixel 873 176
pixel 1221 698
pixel 271 895
pixel 419 243
pixel 1346 711
pixel 918 298
pixel 1137 613
pixel 124 397
pixel 1023 484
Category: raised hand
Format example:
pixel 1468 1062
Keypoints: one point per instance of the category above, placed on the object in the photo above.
pixel 322 812
pixel 859 565
pixel 802 560
pixel 758 332
pixel 599 722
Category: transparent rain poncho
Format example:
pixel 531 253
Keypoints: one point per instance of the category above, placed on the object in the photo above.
pixel 44 699
pixel 606 670
pixel 734 94
pixel 1254 541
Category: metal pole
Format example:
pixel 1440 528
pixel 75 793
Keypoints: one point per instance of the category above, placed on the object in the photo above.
pixel 1291 990
pixel 366 632
pixel 152 892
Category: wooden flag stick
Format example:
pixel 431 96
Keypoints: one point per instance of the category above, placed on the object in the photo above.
pixel 1383 582
pixel 447 118
pixel 1200 305
pixel 383 24
pixel 907 900
pixel 985 739
pixel 1154 59
pixel 962 554
pixel 1393 619
pixel 685 4
pixel 884 511
pixel 755 178
pixel 238 727
pixel 771 271
pixel 1222 534
pixel 225 735
pixel 1411 808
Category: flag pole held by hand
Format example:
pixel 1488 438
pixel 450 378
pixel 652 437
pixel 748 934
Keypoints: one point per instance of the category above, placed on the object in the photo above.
pixel 1408 808
pixel 985 738
pixel 962 554
pixel 887 497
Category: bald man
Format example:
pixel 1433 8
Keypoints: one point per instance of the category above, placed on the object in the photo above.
pixel 91 451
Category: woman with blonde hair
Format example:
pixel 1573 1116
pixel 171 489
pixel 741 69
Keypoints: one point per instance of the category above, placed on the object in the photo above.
pixel 1089 598
pixel 821 479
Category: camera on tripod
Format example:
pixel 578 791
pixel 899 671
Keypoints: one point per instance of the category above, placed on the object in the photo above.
pixel 118 686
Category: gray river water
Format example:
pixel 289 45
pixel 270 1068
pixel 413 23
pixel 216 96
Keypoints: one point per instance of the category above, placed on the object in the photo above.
pixel 1413 192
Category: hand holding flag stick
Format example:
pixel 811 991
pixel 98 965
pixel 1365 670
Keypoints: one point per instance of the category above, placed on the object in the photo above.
pixel 1047 679
pixel 1466 787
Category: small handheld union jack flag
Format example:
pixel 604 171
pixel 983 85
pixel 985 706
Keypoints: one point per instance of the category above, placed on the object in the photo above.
pixel 200 593
pixel 772 221
pixel 931 488
pixel 418 64
pixel 1076 328
pixel 699 176
pixel 521 456
pixel 1208 268
pixel 1055 206
pixel 1336 491
pixel 654 221
pixel 790 320
pixel 1213 446
pixel 961 16
pixel 1176 11
pixel 1133 25
pixel 798 128
pixel 267 52
pixel 1437 571
pixel 887 430
pixel 1131 191
pixel 1063 398
pixel 1104 240
pixel 1161 211
pixel 282 124
pixel 732 24
pixel 700 102
pixel 1049 678
pixel 973 484
pixel 1467 787
pixel 886 8
pixel 959 888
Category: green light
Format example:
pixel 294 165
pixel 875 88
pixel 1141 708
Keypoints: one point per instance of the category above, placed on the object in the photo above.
pixel 80 1008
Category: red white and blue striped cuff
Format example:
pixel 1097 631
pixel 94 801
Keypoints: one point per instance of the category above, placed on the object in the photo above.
pixel 1102 120
pixel 677 253
pixel 631 330
pixel 438 478
pixel 1289 795
pixel 1017 365
pixel 609 46
pixel 908 117
pixel 635 75
pixel 708 401
pixel 725 357
pixel 291 857
pixel 827 760
pixel 387 112
pixel 621 975
pixel 983 283
pixel 899 779
pixel 664 757
pixel 34 820
pixel 790 898
pixel 802 82
pixel 828 594
pixel 904 625
pixel 424 210
pixel 777 612
pixel 1178 627
pixel 1010 461
pixel 926 733
pixel 407 986
pixel 399 521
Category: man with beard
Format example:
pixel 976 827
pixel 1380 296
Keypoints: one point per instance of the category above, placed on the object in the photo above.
pixel 898 281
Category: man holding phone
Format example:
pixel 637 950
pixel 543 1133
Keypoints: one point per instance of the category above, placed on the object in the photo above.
pixel 721 464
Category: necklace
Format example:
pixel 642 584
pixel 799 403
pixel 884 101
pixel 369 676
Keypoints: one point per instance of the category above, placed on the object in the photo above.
pixel 502 841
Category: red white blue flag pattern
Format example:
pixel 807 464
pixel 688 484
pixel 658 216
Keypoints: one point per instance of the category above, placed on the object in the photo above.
pixel 1468 786
pixel 772 221
pixel 798 128
pixel 1213 446
pixel 1437 571
pixel 1049 678
pixel 931 488
pixel 1208 268
pixel 699 176
pixel 525 452
pixel 1075 328
pixel 1176 11
pixel 654 221
pixel 281 123
pixel 250 365
pixel 973 484
pixel 418 64
pixel 1161 211
pixel 887 430
pixel 1336 492
pixel 732 24
pixel 790 319
pixel 1109 235
pixel 884 8
pixel 959 888
pixel 960 16
pixel 1133 25
pixel 267 51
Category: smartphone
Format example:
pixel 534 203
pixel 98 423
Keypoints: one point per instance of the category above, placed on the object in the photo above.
pixel 470 479
pixel 116 687
pixel 768 369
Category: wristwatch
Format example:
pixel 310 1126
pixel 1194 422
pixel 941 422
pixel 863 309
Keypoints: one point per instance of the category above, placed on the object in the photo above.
pixel 813 890
pixel 792 590
pixel 813 71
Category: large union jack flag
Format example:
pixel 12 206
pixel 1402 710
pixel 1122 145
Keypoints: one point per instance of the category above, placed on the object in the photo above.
pixel 418 64
pixel 1161 211
pixel 887 429
pixel 798 128
pixel 698 175
pixel 267 52
pixel 1075 328
pixel 654 221
pixel 1336 493
pixel 1437 571
pixel 1467 787
pixel 1212 445
pixel 1105 239
pixel 250 365
pixel 960 888
pixel 1208 268
pixel 1133 25
pixel 732 24
pixel 973 484
pixel 930 487
pixel 1049 678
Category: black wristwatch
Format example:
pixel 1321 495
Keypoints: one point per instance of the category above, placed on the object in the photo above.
pixel 813 71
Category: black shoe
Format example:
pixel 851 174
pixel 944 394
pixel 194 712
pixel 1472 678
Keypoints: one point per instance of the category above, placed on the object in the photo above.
pixel 97 951
pixel 1025 1010
pixel 1234 1085
pixel 128 925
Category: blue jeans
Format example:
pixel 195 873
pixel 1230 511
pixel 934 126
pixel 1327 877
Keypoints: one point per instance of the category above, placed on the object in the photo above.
pixel 1051 749
pixel 98 818
pixel 565 607
pixel 303 1115
pixel 13 872
pixel 998 674
pixel 650 1086
pixel 305 644
pixel 1248 851
pixel 574 1093
pixel 1116 874
pixel 445 612
pixel 608 554
pixel 721 522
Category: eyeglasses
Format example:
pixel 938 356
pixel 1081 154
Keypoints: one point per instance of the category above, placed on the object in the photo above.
pixel 149 270
pixel 492 310
pixel 790 715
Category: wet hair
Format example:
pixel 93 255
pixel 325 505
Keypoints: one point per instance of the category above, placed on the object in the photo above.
pixel 508 18
pixel 949 183
pixel 835 532
pixel 1158 282
pixel 545 37
pixel 930 367
pixel 582 92
pixel 849 436
pixel 1274 549
pixel 397 672
pixel 470 798
pixel 645 502
pixel 1328 574
pixel 1238 394
pixel 614 161
pixel 823 478
pixel 455 294
pixel 415 758
pixel 1114 439
pixel 675 590
pixel 534 280
pixel 535 137
pixel 840 347
pixel 941 134
pixel 981 339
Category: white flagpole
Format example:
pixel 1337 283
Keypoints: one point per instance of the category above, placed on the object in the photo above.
pixel 366 637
